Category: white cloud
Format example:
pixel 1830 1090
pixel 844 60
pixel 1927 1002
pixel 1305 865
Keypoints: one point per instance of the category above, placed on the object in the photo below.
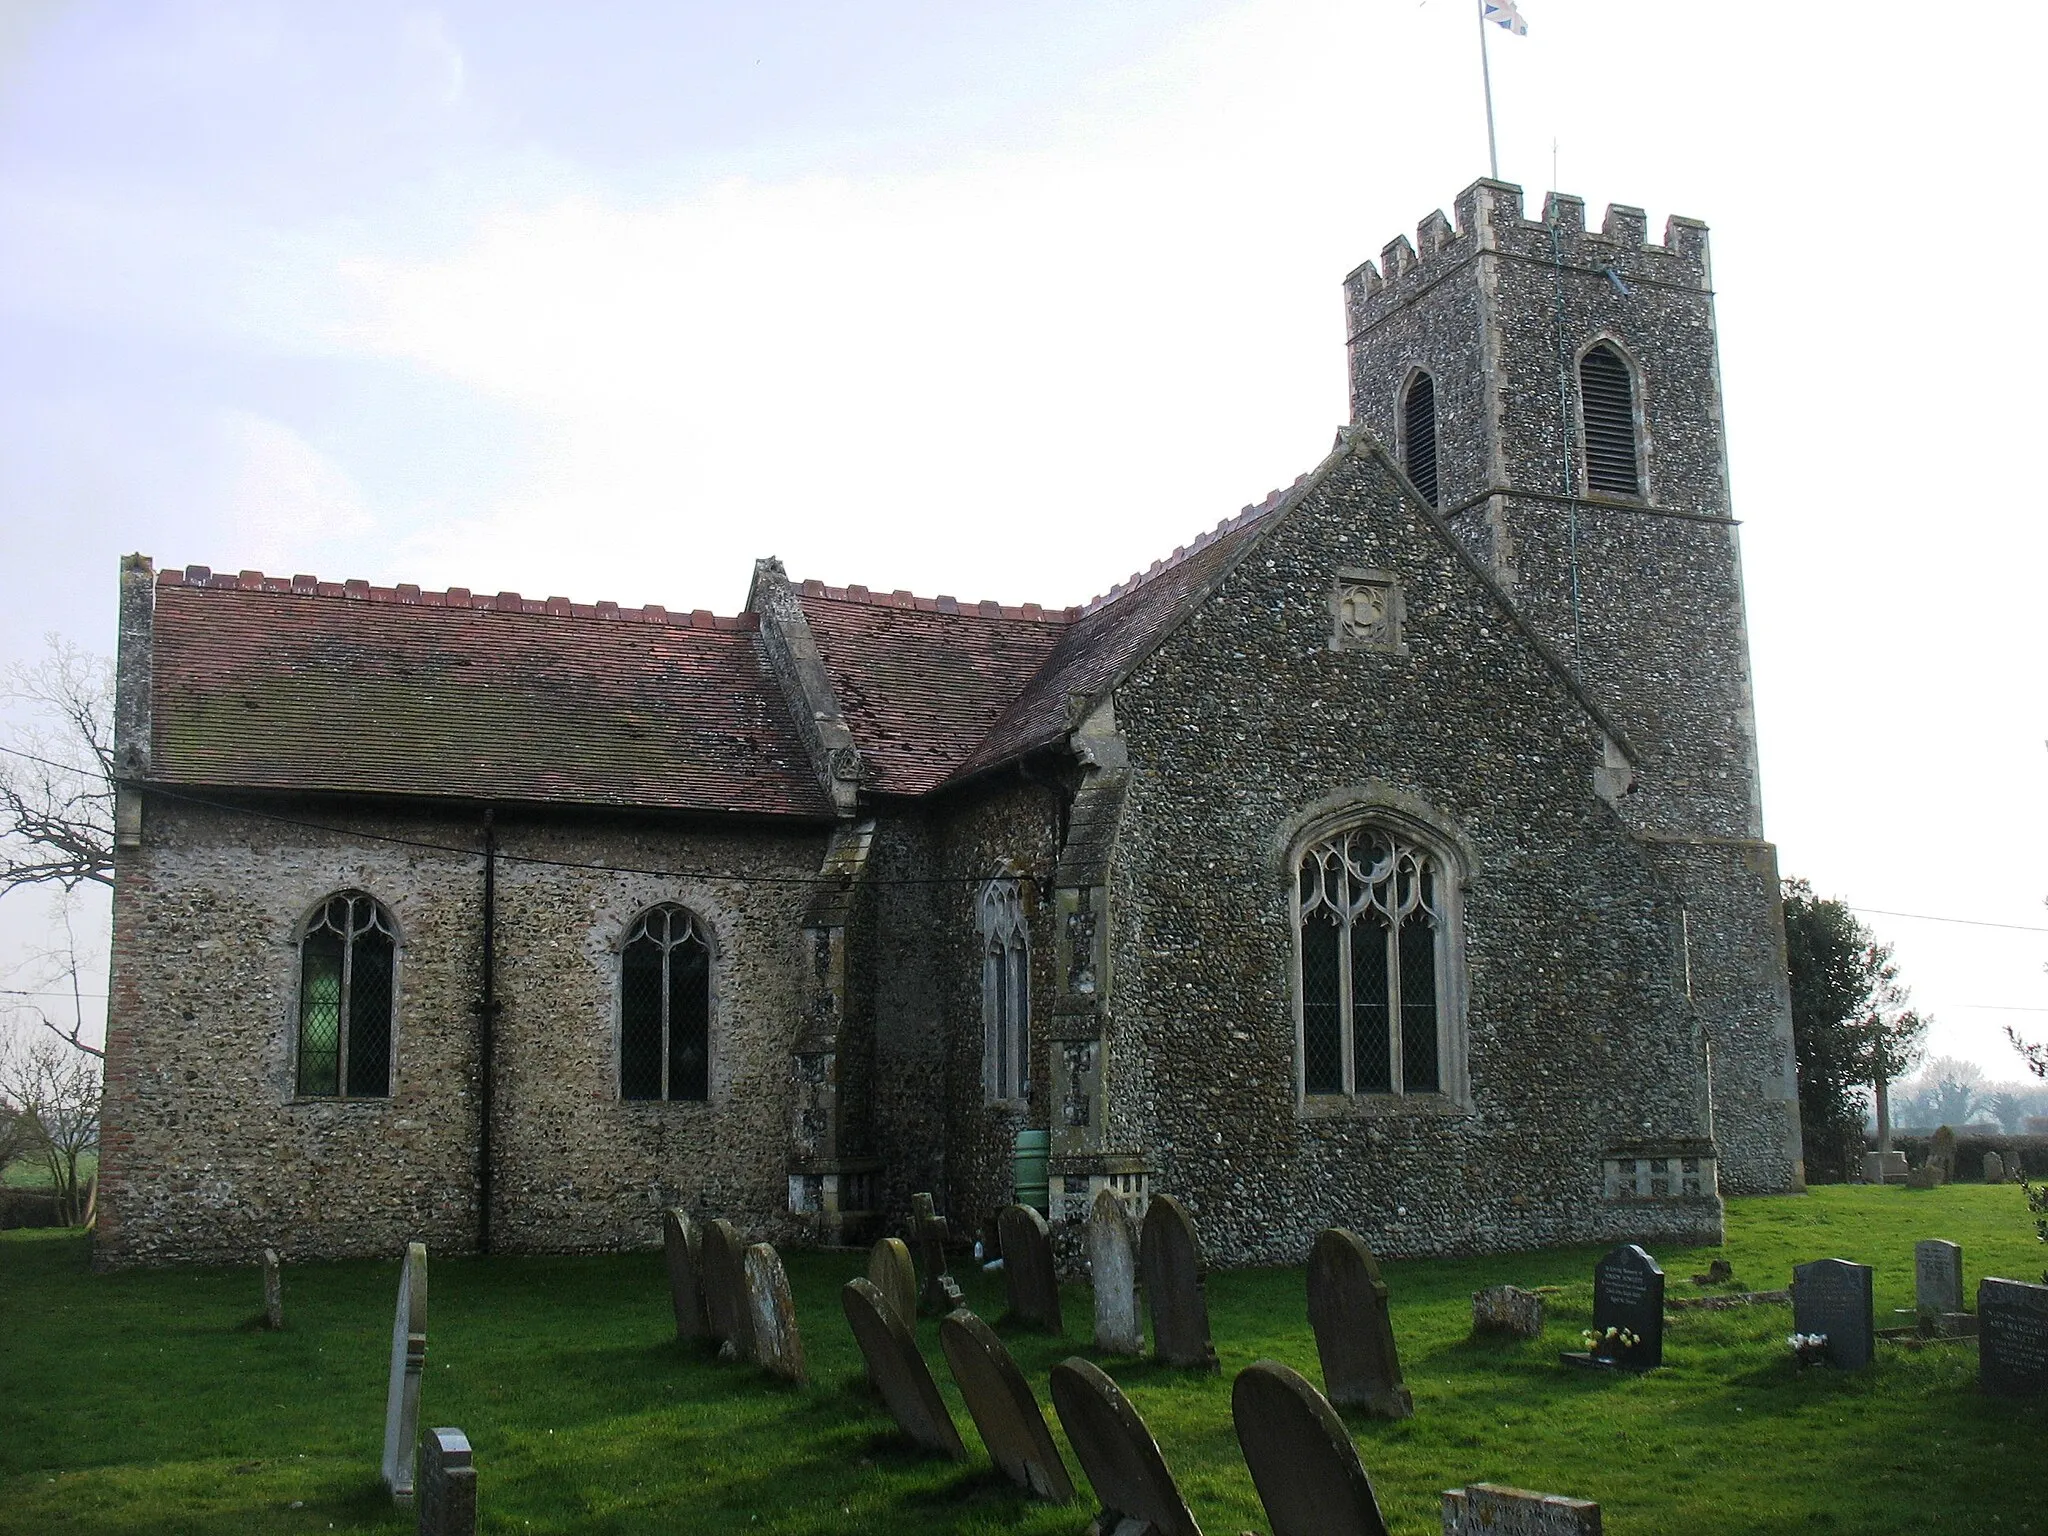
pixel 284 502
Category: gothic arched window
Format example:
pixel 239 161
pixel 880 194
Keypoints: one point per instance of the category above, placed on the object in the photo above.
pixel 665 1007
pixel 1375 966
pixel 1418 434
pixel 1607 398
pixel 1005 991
pixel 346 959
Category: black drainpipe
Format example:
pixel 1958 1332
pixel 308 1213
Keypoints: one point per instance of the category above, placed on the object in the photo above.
pixel 487 1033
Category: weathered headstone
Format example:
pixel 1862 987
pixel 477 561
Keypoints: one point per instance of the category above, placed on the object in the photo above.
pixel 891 1272
pixel 1941 1155
pixel 941 1291
pixel 1003 1408
pixel 1937 1277
pixel 1884 1168
pixel 1170 1261
pixel 2012 1338
pixel 1118 1453
pixel 1301 1456
pixel 1926 1176
pixel 1113 1271
pixel 1347 1308
pixel 1833 1297
pixel 273 1291
pixel 447 1499
pixel 1628 1312
pixel 723 1271
pixel 1488 1509
pixel 1507 1309
pixel 1028 1269
pixel 682 1244
pixel 897 1369
pixel 778 1346
pixel 408 1360
pixel 1994 1168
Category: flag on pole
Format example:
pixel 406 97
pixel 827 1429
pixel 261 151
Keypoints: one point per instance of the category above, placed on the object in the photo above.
pixel 1503 13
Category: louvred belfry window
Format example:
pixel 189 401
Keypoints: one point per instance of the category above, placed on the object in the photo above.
pixel 1418 435
pixel 345 997
pixel 1373 954
pixel 1607 397
pixel 665 1008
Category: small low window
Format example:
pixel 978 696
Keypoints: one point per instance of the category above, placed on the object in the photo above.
pixel 345 996
pixel 665 1008
pixel 1607 394
pixel 1418 435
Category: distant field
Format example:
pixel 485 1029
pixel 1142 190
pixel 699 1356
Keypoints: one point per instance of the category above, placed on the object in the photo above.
pixel 148 1403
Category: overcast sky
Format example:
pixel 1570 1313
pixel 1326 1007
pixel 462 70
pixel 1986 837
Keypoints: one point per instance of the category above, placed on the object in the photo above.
pixel 1006 301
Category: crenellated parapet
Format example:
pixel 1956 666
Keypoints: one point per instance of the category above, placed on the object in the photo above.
pixel 1490 219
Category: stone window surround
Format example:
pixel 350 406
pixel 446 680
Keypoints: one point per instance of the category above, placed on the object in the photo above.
pixel 295 943
pixel 1638 419
pixel 999 913
pixel 614 949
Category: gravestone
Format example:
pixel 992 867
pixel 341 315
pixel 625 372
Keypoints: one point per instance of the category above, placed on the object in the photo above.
pixel 1926 1176
pixel 1507 1309
pixel 408 1360
pixel 778 1346
pixel 1347 1308
pixel 1118 1453
pixel 1113 1271
pixel 2012 1338
pixel 447 1501
pixel 273 1291
pixel 941 1292
pixel 1833 1297
pixel 1628 1297
pixel 1028 1270
pixel 1301 1456
pixel 1488 1509
pixel 897 1369
pixel 1994 1168
pixel 682 1244
pixel 723 1271
pixel 1003 1408
pixel 1937 1278
pixel 1884 1168
pixel 1170 1263
pixel 891 1272
pixel 1941 1155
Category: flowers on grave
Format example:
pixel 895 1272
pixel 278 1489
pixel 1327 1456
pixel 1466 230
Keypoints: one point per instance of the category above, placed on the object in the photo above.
pixel 1615 1341
pixel 1808 1348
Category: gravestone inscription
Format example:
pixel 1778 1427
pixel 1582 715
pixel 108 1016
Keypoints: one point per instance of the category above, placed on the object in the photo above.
pixel 1937 1277
pixel 1028 1268
pixel 723 1272
pixel 273 1291
pixel 1489 1509
pixel 408 1360
pixel 1347 1308
pixel 891 1272
pixel 941 1290
pixel 1170 1262
pixel 1301 1457
pixel 447 1498
pixel 1003 1408
pixel 896 1367
pixel 1834 1297
pixel 778 1346
pixel 1113 1271
pixel 682 1245
pixel 2012 1338
pixel 1118 1453
pixel 1628 1312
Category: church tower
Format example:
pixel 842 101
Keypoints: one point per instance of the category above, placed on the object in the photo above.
pixel 1555 393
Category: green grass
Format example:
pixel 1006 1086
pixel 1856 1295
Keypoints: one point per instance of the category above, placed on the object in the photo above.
pixel 148 1402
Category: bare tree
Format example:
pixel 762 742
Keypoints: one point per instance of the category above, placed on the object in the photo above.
pixel 57 771
pixel 55 1092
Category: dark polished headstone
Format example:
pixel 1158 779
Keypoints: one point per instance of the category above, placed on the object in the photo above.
pixel 1628 1296
pixel 724 1273
pixel 1834 1297
pixel 447 1490
pixel 1170 1261
pixel 1003 1408
pixel 1347 1307
pixel 2012 1338
pixel 682 1245
pixel 1302 1460
pixel 941 1292
pixel 1118 1453
pixel 1028 1269
pixel 897 1369
pixel 1113 1273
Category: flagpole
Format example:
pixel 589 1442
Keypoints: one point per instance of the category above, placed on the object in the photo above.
pixel 1486 75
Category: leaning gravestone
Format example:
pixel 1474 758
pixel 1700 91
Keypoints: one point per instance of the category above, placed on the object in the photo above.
pixel 1170 1260
pixel 273 1291
pixel 1113 1271
pixel 724 1273
pixel 1003 1408
pixel 2012 1338
pixel 891 1272
pixel 1488 1509
pixel 1028 1270
pixel 1303 1462
pixel 1628 1312
pixel 1937 1278
pixel 941 1291
pixel 1347 1308
pixel 408 1360
pixel 1507 1309
pixel 447 1501
pixel 1833 1297
pixel 682 1244
pixel 1118 1453
pixel 778 1346
pixel 897 1368
pixel 1994 1168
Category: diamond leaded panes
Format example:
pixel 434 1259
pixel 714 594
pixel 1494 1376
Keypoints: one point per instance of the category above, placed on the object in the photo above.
pixel 346 959
pixel 665 1008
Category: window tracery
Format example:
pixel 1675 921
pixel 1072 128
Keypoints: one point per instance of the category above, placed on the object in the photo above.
pixel 346 960
pixel 1005 990
pixel 665 1007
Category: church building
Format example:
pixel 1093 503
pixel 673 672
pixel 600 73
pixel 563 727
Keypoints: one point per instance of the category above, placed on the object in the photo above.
pixel 1390 855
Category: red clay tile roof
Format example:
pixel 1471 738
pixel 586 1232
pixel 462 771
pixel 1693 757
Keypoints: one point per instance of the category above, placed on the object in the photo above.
pixel 266 683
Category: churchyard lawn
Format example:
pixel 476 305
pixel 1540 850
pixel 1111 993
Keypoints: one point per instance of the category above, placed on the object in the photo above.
pixel 150 1402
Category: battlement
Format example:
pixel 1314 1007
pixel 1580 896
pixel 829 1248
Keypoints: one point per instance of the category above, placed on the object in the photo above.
pixel 1490 219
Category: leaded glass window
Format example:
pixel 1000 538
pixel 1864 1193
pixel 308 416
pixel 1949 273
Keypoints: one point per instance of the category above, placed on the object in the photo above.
pixel 1374 936
pixel 1005 990
pixel 665 1008
pixel 345 998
